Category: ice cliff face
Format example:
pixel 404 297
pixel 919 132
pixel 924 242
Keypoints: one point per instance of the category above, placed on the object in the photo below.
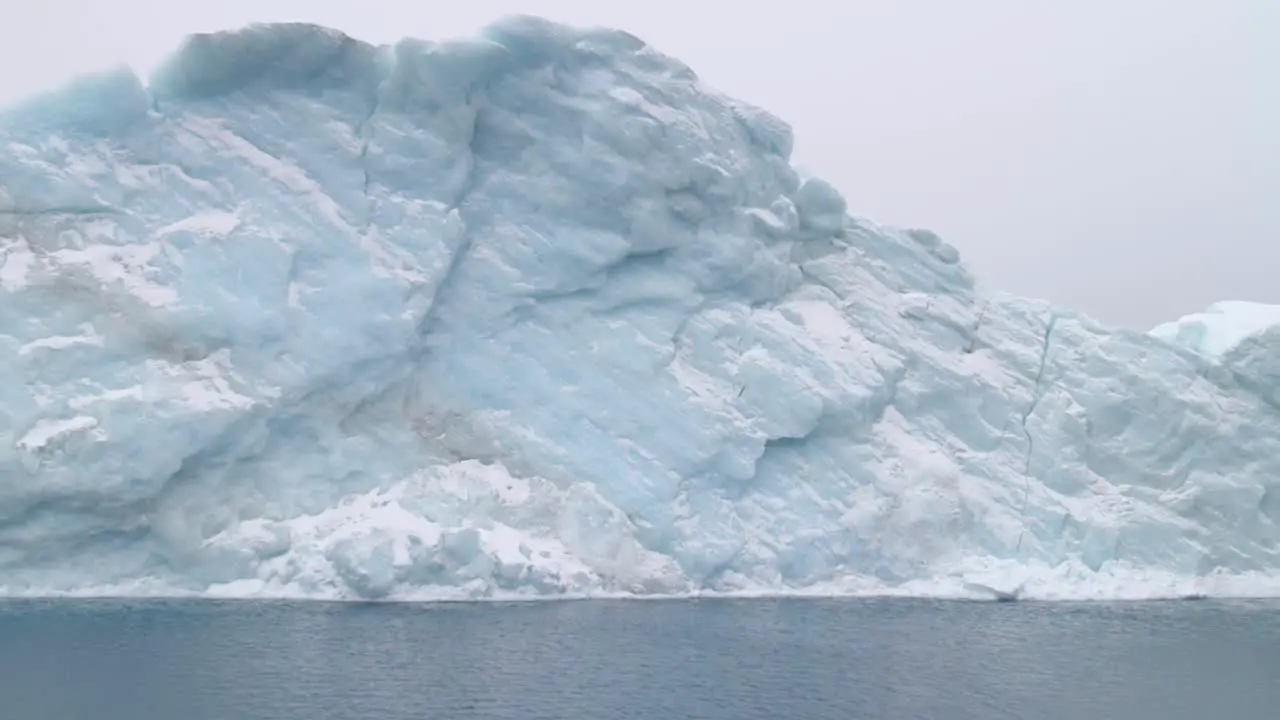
pixel 538 313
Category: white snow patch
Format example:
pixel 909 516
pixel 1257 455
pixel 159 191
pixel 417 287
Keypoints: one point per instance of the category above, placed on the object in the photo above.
pixel 47 430
pixel 206 222
pixel 16 263
pixel 128 265
pixel 89 336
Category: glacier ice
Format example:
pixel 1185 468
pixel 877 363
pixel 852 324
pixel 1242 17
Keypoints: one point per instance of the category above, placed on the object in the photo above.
pixel 1221 328
pixel 537 313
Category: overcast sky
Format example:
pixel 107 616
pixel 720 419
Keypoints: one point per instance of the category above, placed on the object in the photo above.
pixel 1119 157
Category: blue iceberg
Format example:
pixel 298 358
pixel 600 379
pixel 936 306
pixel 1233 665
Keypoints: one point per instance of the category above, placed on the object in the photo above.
pixel 539 314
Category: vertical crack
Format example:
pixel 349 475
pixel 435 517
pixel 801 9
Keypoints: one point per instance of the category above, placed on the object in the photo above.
pixel 973 334
pixel 677 338
pixel 364 132
pixel 1036 395
pixel 464 242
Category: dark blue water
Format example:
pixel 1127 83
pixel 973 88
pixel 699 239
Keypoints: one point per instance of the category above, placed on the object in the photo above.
pixel 722 660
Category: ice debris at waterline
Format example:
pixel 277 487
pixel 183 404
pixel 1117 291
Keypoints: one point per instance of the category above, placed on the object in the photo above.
pixel 540 314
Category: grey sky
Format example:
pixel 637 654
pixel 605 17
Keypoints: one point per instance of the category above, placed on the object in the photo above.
pixel 1122 158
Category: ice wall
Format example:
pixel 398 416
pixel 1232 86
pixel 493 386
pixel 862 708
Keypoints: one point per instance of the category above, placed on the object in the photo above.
pixel 538 313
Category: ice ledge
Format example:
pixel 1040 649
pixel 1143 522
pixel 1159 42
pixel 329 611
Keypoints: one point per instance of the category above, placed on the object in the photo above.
pixel 1219 328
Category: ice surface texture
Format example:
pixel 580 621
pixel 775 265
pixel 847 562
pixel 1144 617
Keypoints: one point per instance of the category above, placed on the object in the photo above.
pixel 538 313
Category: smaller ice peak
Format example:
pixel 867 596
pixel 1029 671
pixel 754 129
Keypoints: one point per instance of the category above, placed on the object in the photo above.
pixel 265 56
pixel 820 205
pixel 1220 328
pixel 101 104
pixel 293 56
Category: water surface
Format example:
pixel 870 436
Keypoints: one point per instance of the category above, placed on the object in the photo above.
pixel 714 659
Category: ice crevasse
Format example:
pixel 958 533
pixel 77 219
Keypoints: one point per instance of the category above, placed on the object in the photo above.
pixel 539 314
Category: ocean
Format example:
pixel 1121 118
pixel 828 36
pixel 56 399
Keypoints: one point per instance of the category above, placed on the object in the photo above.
pixel 573 660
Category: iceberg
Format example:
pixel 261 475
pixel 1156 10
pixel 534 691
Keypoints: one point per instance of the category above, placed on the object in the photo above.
pixel 1221 328
pixel 540 314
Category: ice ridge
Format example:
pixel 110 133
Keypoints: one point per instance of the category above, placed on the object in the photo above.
pixel 539 314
